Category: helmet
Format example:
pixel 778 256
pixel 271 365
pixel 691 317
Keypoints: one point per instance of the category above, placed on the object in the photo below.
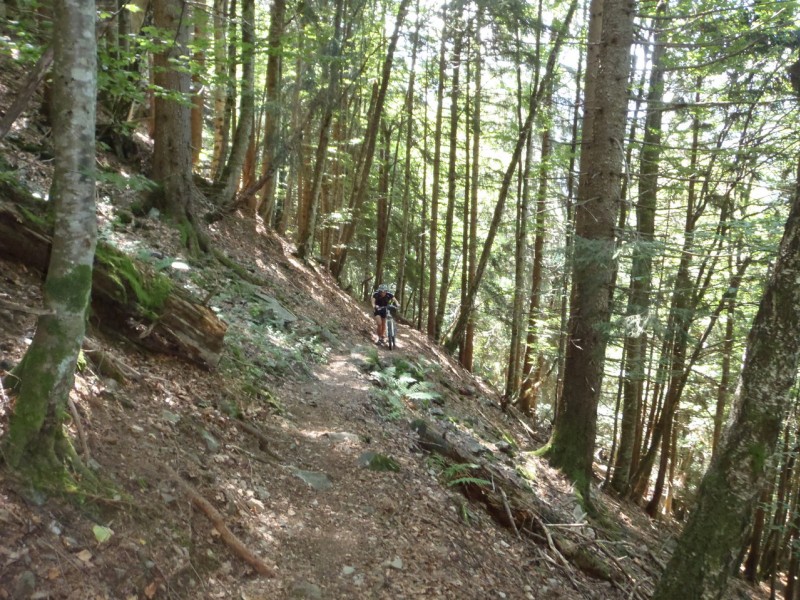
pixel 383 288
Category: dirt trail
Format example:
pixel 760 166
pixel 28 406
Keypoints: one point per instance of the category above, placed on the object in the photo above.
pixel 373 534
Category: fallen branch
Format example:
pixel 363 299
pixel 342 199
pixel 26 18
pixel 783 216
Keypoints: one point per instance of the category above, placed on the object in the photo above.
pixel 227 536
pixel 508 512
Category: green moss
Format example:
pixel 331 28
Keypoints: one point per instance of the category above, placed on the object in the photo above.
pixel 45 223
pixel 150 289
pixel 758 455
pixel 30 411
pixel 566 458
pixel 72 289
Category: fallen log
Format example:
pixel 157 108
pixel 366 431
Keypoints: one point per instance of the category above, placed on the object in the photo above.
pixel 510 503
pixel 128 297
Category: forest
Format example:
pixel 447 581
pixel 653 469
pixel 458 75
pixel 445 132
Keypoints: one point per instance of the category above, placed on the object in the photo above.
pixel 591 206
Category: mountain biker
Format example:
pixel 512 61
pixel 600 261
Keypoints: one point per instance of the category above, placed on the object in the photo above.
pixel 381 299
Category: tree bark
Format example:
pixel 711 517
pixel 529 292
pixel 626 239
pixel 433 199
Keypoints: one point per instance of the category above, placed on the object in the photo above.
pixel 220 11
pixel 265 206
pixel 36 440
pixel 244 127
pixel 362 177
pixel 468 346
pixel 172 156
pixel 571 446
pixel 637 314
pixel 433 235
pixel 447 250
pixel 708 548
pixel 198 96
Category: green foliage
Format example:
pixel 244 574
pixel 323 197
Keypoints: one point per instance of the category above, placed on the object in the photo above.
pixel 380 462
pixel 120 181
pixel 150 289
pixel 398 385
pixel 458 474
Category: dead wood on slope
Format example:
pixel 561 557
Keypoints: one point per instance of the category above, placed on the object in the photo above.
pixel 180 326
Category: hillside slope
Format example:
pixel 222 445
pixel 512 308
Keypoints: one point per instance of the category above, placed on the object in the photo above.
pixel 299 444
pixel 298 484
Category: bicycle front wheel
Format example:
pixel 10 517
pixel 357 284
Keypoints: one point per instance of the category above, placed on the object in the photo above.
pixel 390 332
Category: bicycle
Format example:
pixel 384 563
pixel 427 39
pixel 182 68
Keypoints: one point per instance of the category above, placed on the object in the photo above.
pixel 391 326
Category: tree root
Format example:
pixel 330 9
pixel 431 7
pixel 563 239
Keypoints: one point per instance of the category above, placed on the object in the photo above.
pixel 107 365
pixel 263 441
pixel 227 536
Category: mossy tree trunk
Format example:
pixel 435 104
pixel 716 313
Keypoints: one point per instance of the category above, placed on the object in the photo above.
pixel 710 545
pixel 36 441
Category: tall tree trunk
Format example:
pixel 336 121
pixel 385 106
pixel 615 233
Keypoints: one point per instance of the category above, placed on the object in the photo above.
pixel 266 204
pixel 569 233
pixel 468 346
pixel 220 19
pixel 464 314
pixel 571 446
pixel 36 441
pixel 307 228
pixel 406 201
pixel 383 208
pixel 768 563
pixel 708 548
pixel 513 372
pixel 198 97
pixel 172 156
pixel 433 236
pixel 756 535
pixel 724 389
pixel 447 250
pixel 638 311
pixel 228 109
pixel 532 365
pixel 244 127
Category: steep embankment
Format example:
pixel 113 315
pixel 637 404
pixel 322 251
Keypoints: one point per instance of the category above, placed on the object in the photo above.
pixel 301 441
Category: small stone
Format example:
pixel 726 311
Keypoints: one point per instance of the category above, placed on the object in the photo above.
pixel 318 481
pixel 55 528
pixel 170 417
pixel 211 442
pixel 342 436
pixel 504 447
pixel 24 585
pixel 397 563
pixel 346 570
pixel 306 589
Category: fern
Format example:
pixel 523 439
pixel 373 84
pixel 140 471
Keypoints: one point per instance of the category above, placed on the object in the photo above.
pixel 483 483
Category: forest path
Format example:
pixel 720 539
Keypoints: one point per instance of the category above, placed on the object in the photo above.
pixel 372 534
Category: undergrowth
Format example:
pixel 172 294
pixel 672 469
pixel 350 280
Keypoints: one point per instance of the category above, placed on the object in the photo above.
pixel 399 383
